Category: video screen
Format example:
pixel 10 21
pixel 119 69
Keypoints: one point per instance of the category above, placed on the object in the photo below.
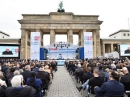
pixel 125 49
pixel 9 51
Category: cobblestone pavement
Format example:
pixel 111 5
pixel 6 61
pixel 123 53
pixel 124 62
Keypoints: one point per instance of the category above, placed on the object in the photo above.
pixel 62 85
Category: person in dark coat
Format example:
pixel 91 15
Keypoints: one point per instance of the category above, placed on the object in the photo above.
pixel 2 91
pixel 26 74
pixel 35 83
pixel 10 76
pixel 45 78
pixel 111 88
pixel 17 90
pixel 126 77
pixel 36 69
pixel 87 75
pixel 127 51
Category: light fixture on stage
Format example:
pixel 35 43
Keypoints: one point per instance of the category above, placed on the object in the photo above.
pixel 61 45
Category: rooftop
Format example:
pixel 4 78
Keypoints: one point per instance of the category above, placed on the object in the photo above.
pixel 5 33
pixel 121 30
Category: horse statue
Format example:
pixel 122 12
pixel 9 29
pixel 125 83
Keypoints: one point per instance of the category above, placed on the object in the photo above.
pixel 61 5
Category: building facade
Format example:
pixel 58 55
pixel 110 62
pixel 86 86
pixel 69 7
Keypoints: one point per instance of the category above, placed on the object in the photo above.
pixel 121 34
pixel 69 24
pixel 60 23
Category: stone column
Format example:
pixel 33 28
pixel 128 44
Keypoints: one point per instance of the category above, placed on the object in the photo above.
pixel 79 40
pixel 98 45
pixel 70 36
pixel 111 47
pixel 28 43
pixel 41 37
pixel 24 44
pixel 42 41
pixel 82 37
pixel 103 49
pixel 52 36
pixel 94 40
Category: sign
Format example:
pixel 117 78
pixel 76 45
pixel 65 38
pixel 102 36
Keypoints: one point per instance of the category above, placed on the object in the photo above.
pixel 125 49
pixel 61 51
pixel 9 51
pixel 88 45
pixel 35 46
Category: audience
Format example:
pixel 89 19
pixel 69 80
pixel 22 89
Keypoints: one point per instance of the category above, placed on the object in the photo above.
pixel 15 73
pixel 93 74
pixel 111 88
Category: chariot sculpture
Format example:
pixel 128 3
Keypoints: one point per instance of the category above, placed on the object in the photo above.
pixel 61 9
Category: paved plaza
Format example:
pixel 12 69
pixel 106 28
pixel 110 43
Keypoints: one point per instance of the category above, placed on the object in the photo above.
pixel 63 85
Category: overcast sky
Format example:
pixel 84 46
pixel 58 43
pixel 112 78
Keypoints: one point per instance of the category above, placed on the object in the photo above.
pixel 113 13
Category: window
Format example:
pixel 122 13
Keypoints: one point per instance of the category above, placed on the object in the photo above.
pixel 114 36
pixel 128 34
pixel 124 34
pixel 3 36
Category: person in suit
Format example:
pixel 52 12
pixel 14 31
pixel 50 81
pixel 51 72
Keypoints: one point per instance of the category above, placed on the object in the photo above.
pixel 60 57
pixel 19 90
pixel 7 52
pixel 27 73
pixel 127 51
pixel 111 88
pixel 126 77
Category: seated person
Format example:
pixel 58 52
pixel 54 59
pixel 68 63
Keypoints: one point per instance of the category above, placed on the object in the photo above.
pixel 125 79
pixel 110 88
pixel 2 91
pixel 93 81
pixel 17 90
pixel 60 57
pixel 87 75
pixel 2 82
pixel 7 52
pixel 35 83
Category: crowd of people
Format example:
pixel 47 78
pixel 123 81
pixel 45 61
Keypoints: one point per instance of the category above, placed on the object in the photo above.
pixel 105 77
pixel 25 78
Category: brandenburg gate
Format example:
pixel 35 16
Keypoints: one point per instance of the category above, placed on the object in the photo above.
pixel 59 23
